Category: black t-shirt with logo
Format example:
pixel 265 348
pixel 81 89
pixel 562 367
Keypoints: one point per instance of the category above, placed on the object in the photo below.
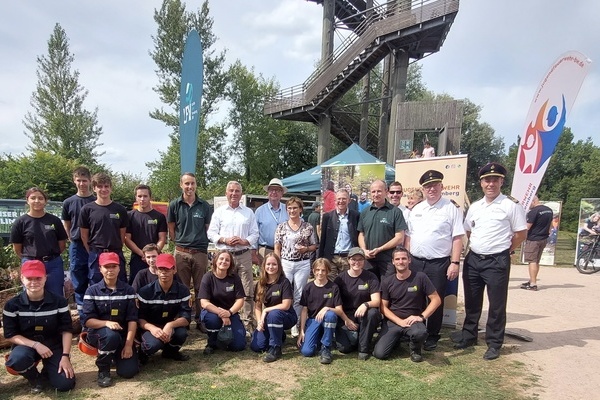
pixel 105 224
pixel 38 236
pixel 354 291
pixel 221 292
pixel 316 297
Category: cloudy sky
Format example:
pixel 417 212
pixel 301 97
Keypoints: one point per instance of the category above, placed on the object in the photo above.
pixel 495 54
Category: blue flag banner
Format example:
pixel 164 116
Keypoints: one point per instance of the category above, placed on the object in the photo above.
pixel 190 97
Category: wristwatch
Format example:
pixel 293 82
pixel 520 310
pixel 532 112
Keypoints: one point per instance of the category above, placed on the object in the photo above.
pixel 423 317
pixel 366 304
pixel 455 262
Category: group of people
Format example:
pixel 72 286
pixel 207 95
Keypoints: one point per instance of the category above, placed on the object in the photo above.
pixel 384 269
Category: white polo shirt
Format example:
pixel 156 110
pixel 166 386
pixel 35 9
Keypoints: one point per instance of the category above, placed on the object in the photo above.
pixel 432 227
pixel 492 225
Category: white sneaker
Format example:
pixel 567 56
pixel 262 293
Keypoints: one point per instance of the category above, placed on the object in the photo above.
pixel 295 332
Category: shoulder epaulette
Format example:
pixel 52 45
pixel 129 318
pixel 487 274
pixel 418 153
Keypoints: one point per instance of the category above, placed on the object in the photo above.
pixel 513 199
pixel 455 203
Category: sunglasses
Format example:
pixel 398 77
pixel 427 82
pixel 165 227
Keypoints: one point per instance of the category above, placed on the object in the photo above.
pixel 395 191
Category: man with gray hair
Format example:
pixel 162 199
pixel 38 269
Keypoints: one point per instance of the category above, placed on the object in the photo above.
pixel 233 228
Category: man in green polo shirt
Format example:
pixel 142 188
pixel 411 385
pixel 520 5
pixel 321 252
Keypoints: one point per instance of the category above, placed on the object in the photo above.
pixel 380 229
pixel 188 219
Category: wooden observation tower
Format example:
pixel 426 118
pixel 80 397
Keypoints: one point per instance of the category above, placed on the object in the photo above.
pixel 394 32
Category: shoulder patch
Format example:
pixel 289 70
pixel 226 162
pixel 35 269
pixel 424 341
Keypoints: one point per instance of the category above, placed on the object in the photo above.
pixel 512 199
pixel 455 203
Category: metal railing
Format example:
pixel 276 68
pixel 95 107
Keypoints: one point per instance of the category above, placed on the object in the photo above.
pixel 405 13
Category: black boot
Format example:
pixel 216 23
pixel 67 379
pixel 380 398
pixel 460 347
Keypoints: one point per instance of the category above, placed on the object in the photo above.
pixel 35 380
pixel 274 354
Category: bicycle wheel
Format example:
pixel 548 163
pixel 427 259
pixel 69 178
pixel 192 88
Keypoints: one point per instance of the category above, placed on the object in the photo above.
pixel 588 263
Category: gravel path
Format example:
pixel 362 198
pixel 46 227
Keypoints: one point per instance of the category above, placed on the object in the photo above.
pixel 564 322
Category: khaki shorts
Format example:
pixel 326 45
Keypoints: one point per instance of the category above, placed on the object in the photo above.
pixel 533 249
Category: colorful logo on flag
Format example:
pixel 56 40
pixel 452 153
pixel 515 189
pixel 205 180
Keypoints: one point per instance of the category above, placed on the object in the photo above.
pixel 541 137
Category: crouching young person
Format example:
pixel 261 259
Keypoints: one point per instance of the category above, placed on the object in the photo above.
pixel 38 325
pixel 164 313
pixel 222 297
pixel 273 299
pixel 321 306
pixel 359 290
pixel 110 316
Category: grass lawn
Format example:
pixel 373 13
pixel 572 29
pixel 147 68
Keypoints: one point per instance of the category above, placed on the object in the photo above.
pixel 444 374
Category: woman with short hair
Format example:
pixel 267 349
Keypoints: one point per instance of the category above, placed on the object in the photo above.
pixel 295 241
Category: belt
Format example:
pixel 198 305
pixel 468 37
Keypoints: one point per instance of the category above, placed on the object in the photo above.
pixel 267 247
pixel 488 256
pixel 189 251
pixel 430 259
pixel 343 254
pixel 296 259
pixel 97 250
pixel 239 252
pixel 47 258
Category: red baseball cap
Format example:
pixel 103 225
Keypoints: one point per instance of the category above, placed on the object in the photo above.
pixel 33 269
pixel 165 260
pixel 109 258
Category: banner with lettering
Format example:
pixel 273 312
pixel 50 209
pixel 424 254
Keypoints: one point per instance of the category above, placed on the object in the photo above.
pixel 190 97
pixel 552 101
pixel 454 168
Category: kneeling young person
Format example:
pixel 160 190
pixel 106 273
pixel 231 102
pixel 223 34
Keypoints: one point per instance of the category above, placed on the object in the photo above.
pixel 359 290
pixel 321 306
pixel 110 316
pixel 38 324
pixel 222 297
pixel 164 313
pixel 273 299
pixel 404 298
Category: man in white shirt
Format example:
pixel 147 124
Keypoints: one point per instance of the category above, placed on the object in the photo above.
pixel 434 239
pixel 496 226
pixel 233 228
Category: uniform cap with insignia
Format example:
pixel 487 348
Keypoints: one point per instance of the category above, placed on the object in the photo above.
pixel 431 176
pixel 492 169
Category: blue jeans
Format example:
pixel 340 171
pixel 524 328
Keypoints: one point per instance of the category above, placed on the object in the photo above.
pixel 213 324
pixel 79 270
pixel 277 321
pixel 318 331
pixel 55 280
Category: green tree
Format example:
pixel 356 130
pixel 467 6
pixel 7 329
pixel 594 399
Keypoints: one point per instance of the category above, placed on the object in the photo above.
pixel 264 147
pixel 59 123
pixel 416 89
pixel 174 23
pixel 51 172
pixel 479 141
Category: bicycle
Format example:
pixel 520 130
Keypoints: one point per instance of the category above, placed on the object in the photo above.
pixel 588 261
